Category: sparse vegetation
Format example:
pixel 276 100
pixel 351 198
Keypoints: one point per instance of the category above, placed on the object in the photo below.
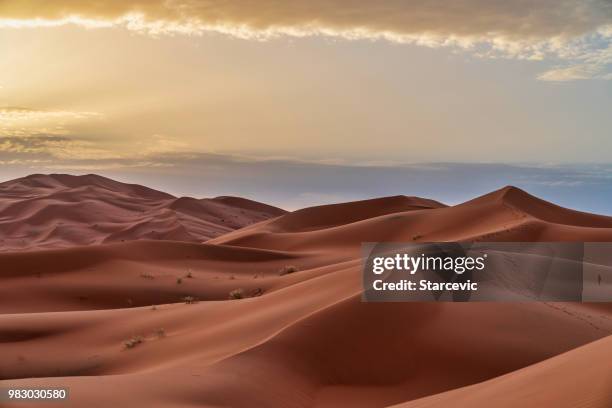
pixel 189 274
pixel 160 333
pixel 285 270
pixel 147 275
pixel 416 237
pixel 179 281
pixel 133 342
pixel 190 300
pixel 236 294
pixel 153 307
pixel 257 292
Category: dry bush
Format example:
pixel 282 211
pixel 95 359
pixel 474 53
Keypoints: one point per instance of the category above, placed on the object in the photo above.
pixel 190 300
pixel 285 270
pixel 236 294
pixel 133 342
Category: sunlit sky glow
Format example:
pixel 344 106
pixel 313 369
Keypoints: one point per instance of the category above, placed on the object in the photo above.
pixel 342 82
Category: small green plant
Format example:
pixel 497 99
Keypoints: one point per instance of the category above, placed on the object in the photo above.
pixel 285 270
pixel 190 300
pixel 236 294
pixel 133 342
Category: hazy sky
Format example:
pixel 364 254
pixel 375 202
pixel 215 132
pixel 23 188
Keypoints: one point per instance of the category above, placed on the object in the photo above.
pixel 104 85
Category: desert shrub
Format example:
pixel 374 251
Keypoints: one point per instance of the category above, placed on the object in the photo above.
pixel 256 292
pixel 189 274
pixel 160 333
pixel 147 275
pixel 417 237
pixel 133 342
pixel 190 300
pixel 285 270
pixel 179 281
pixel 236 294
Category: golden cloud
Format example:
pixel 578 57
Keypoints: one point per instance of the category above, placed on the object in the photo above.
pixel 527 29
pixel 437 18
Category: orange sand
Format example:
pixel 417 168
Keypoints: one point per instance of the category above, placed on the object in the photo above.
pixel 308 340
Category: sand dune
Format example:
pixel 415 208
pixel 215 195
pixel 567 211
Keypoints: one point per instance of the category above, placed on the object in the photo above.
pixel 509 214
pixel 578 378
pixel 59 210
pixel 300 339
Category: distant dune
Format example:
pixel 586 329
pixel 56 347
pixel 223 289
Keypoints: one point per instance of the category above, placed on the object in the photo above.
pixel 508 214
pixel 59 210
pixel 150 323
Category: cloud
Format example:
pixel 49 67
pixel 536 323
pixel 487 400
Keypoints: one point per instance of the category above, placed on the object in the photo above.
pixel 35 133
pixel 22 114
pixel 23 121
pixel 87 153
pixel 594 62
pixel 33 144
pixel 525 29
pixel 29 148
pixel 50 147
pixel 568 73
pixel 462 18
